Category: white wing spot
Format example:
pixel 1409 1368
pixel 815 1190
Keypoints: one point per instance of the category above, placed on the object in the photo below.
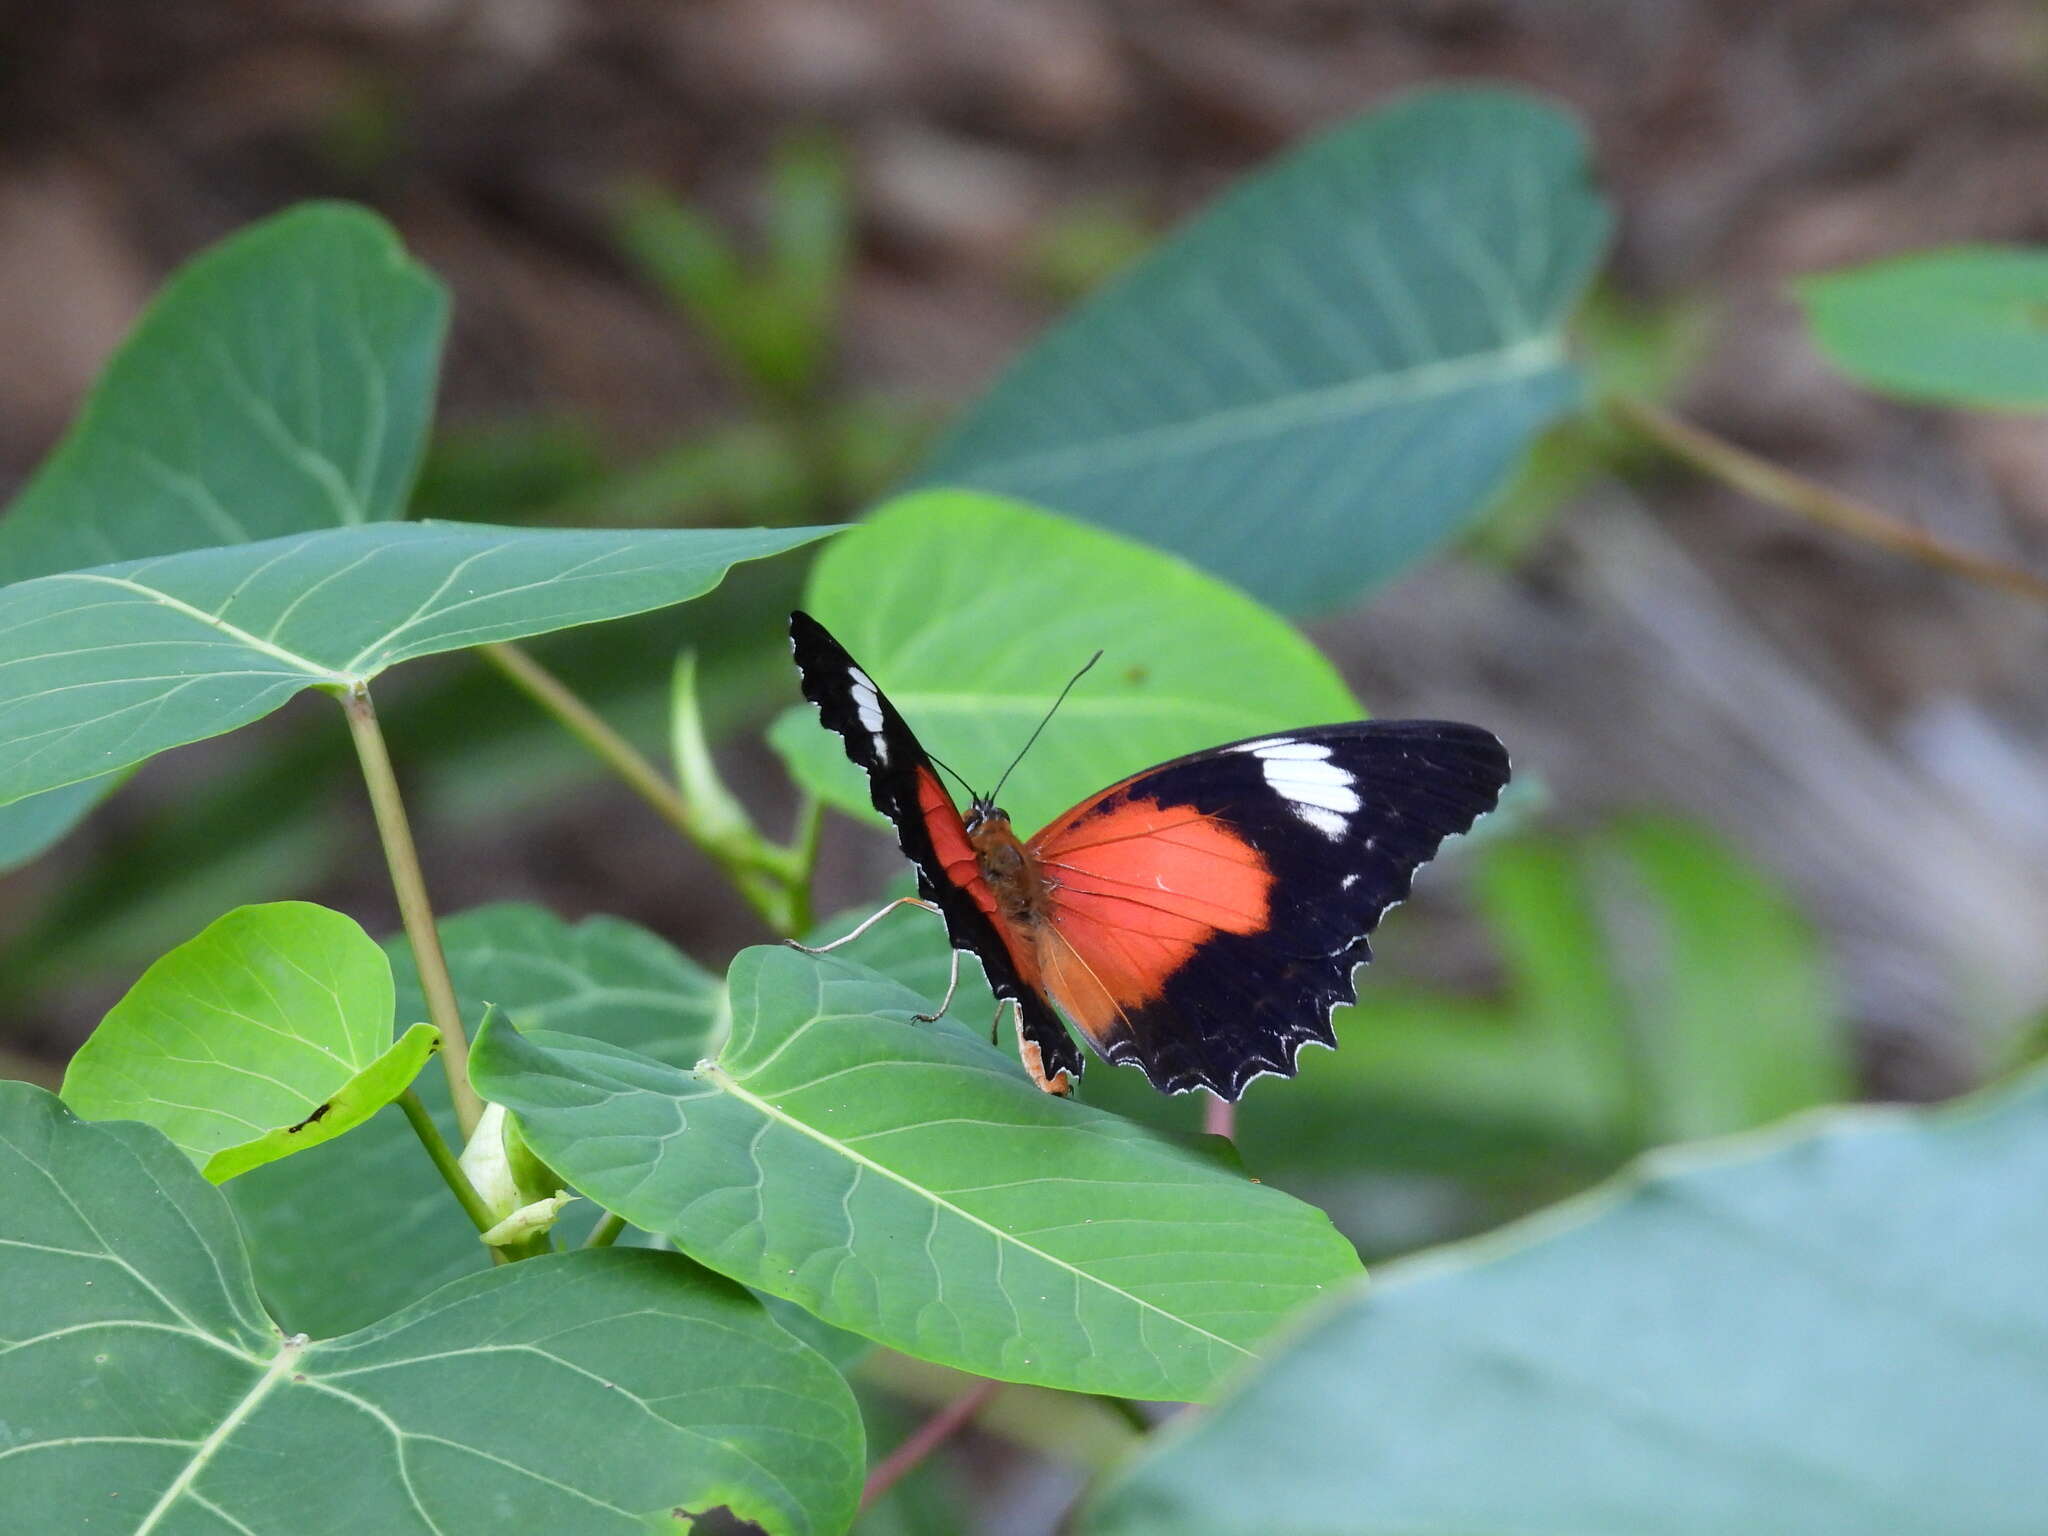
pixel 867 703
pixel 1282 750
pixel 1301 771
pixel 1347 882
pixel 1329 823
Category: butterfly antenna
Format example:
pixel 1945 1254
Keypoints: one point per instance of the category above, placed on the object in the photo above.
pixel 936 763
pixel 1056 703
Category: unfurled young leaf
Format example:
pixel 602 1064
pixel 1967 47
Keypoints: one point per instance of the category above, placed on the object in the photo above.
pixel 144 1388
pixel 906 1182
pixel 268 1033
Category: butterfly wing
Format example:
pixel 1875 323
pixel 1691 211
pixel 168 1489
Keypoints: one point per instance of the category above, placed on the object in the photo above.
pixel 906 789
pixel 1206 915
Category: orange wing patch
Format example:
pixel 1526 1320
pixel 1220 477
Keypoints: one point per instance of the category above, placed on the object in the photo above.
pixel 1133 891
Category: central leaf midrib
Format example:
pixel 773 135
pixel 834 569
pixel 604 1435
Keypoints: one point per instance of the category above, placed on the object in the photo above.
pixel 214 621
pixel 289 1351
pixel 728 1084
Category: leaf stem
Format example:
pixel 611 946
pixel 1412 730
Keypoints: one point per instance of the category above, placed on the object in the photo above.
pixel 418 913
pixel 607 1231
pixel 926 1438
pixel 1219 1117
pixel 1780 487
pixel 444 1159
pixel 584 723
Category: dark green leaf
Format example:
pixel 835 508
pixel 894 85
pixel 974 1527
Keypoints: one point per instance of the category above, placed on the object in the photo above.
pixel 1838 1328
pixel 1330 372
pixel 907 1182
pixel 142 1388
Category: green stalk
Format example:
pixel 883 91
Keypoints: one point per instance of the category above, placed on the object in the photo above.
pixel 607 1231
pixel 418 913
pixel 445 1160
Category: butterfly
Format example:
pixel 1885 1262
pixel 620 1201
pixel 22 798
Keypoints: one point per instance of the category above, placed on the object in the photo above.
pixel 1201 918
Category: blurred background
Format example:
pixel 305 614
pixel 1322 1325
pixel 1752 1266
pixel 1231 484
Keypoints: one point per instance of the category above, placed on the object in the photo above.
pixel 1782 776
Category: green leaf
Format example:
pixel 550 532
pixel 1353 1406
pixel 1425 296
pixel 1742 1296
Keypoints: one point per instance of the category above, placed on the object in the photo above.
pixel 281 382
pixel 103 668
pixel 29 826
pixel 1331 371
pixel 906 1182
pixel 1839 1328
pixel 1966 325
pixel 267 1033
pixel 142 1386
pixel 377 1198
pixel 973 612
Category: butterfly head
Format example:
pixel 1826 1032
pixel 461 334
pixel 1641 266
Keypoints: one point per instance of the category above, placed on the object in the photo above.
pixel 984 812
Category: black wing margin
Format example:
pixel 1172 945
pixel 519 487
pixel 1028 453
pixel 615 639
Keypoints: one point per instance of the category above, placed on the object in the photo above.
pixel 878 741
pixel 1344 815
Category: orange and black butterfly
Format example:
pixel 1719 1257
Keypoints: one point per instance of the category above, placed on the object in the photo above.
pixel 1201 918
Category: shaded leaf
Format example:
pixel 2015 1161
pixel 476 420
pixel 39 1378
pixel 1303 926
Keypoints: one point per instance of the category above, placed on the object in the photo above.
pixel 1837 1328
pixel 142 1383
pixel 267 1033
pixel 1328 373
pixel 377 1198
pixel 102 668
pixel 1966 325
pixel 29 826
pixel 972 613
pixel 908 1183
pixel 280 382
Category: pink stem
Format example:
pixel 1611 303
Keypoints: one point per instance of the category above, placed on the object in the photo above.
pixel 1219 1117
pixel 926 1438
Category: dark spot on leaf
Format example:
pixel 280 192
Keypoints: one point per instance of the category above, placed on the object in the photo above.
pixel 312 1119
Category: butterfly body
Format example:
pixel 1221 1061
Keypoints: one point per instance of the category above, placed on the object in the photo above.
pixel 1200 919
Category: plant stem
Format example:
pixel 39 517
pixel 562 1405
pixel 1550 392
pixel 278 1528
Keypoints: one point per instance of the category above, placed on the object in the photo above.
pixel 413 906
pixel 444 1159
pixel 926 1438
pixel 1219 1117
pixel 607 1231
pixel 582 722
pixel 1768 482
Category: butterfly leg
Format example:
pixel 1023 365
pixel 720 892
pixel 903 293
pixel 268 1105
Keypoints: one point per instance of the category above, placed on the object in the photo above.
pixel 866 924
pixel 995 1025
pixel 952 981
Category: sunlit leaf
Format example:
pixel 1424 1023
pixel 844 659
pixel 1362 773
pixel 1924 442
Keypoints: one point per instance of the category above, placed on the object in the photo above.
pixel 268 1033
pixel 972 612
pixel 143 1388
pixel 376 1197
pixel 1332 370
pixel 907 1182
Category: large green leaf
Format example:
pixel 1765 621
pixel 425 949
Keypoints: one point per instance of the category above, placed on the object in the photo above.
pixel 906 1182
pixel 1966 325
pixel 376 1197
pixel 142 1387
pixel 267 1033
pixel 1332 370
pixel 282 381
pixel 101 668
pixel 972 612
pixel 1839 1328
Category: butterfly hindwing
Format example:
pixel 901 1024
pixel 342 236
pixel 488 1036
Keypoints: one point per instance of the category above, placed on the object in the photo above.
pixel 1206 915
pixel 906 789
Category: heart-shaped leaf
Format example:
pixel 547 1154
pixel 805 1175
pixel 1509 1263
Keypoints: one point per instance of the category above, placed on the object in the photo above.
pixel 1328 373
pixel 142 1387
pixel 972 612
pixel 1839 1328
pixel 906 1182
pixel 268 1032
pixel 376 1197
pixel 102 668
